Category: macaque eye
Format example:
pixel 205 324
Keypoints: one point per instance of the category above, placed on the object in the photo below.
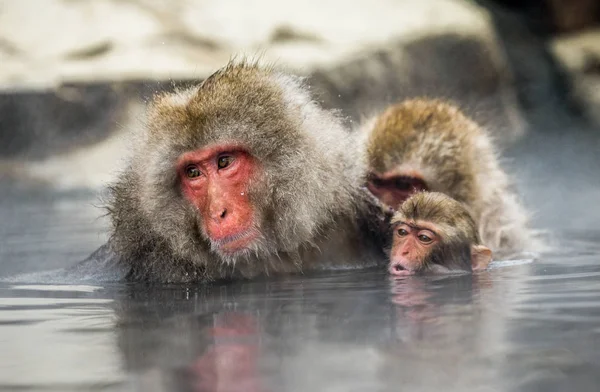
pixel 402 232
pixel 402 184
pixel 224 161
pixel 192 171
pixel 425 239
pixel 375 181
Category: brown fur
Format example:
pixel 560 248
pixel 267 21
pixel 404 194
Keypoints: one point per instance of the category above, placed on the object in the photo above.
pixel 456 157
pixel 454 225
pixel 449 216
pixel 309 207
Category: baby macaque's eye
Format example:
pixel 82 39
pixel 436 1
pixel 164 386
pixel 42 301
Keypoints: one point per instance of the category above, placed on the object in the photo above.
pixel 425 239
pixel 224 161
pixel 402 232
pixel 192 171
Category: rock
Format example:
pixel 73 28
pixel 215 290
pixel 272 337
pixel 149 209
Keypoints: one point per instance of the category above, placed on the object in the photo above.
pixel 573 15
pixel 466 69
pixel 66 92
pixel 579 55
pixel 112 41
pixel 40 123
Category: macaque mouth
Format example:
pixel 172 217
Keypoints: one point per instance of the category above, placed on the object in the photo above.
pixel 397 269
pixel 234 242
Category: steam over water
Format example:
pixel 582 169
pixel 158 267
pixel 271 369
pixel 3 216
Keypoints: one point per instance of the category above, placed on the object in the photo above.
pixel 520 326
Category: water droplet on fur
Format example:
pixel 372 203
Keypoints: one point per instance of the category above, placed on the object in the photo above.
pixel 242 193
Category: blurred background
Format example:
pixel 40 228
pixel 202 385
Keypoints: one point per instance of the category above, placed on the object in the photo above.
pixel 74 73
pixel 74 79
pixel 75 76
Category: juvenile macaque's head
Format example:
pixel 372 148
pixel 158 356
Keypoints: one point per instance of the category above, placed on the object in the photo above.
pixel 422 145
pixel 435 233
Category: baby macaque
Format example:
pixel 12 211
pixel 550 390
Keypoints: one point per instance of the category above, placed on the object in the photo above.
pixel 434 233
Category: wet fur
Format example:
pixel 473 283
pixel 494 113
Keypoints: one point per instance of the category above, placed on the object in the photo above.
pixel 456 228
pixel 455 157
pixel 310 208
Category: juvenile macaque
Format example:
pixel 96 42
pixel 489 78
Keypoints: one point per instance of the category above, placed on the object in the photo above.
pixel 435 234
pixel 430 145
pixel 239 176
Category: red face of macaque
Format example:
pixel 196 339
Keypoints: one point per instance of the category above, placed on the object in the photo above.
pixel 412 244
pixel 215 180
pixel 392 188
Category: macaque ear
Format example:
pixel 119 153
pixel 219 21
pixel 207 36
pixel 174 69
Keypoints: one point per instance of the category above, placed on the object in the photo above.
pixel 480 257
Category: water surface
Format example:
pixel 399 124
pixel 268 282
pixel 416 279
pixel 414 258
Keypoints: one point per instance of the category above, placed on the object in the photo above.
pixel 523 327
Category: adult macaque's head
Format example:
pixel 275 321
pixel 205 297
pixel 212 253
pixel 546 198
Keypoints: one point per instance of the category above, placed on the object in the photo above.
pixel 434 233
pixel 236 176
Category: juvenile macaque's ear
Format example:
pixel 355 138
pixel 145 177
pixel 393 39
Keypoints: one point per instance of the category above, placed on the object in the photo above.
pixel 480 257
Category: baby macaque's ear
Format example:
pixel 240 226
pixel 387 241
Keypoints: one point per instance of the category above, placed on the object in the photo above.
pixel 480 257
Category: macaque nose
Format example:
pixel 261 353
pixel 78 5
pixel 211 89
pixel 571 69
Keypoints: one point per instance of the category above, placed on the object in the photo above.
pixel 218 213
pixel 405 250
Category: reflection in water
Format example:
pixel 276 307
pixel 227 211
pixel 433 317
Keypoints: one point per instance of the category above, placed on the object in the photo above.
pixel 231 361
pixel 442 342
pixel 527 326
pixel 413 300
pixel 521 326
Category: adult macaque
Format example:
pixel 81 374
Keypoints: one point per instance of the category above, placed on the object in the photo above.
pixel 434 233
pixel 430 145
pixel 239 176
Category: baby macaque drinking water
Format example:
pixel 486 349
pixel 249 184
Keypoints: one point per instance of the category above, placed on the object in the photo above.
pixel 434 233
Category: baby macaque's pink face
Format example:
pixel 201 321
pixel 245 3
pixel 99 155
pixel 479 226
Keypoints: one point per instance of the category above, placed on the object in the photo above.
pixel 411 246
pixel 434 233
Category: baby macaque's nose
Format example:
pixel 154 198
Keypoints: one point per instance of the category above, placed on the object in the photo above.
pixel 397 269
